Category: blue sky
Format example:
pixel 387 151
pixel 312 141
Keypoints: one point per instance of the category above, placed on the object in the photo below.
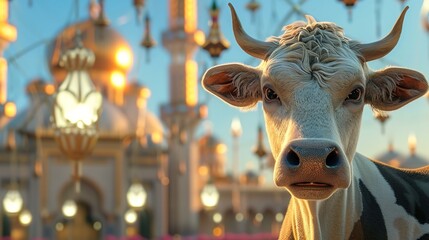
pixel 44 19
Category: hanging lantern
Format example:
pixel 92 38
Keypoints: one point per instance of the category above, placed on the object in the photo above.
pixel 136 196
pixel 253 6
pixel 13 202
pixel 260 150
pixel 77 108
pixel 209 195
pixel 215 42
pixel 130 216
pixel 138 5
pixel 382 117
pixel 69 208
pixel 25 217
pixel 349 4
pixel 147 42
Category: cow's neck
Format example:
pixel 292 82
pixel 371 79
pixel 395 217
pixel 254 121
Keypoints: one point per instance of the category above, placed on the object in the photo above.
pixel 368 209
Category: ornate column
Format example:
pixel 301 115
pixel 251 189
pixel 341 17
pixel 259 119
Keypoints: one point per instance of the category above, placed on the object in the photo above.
pixel 182 114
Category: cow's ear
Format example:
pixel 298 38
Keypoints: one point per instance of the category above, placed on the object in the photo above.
pixel 236 84
pixel 392 88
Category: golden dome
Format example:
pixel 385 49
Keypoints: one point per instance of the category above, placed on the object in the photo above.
pixel 112 52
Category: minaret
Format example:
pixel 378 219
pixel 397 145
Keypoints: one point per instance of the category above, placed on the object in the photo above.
pixel 181 115
pixel 8 34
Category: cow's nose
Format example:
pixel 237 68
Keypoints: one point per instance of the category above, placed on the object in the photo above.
pixel 321 153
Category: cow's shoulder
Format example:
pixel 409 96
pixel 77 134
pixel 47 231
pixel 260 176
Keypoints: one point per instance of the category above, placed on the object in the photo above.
pixel 411 189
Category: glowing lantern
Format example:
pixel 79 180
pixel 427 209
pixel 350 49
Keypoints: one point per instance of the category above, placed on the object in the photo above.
pixel 382 117
pixel 9 109
pixel 349 4
pixel 253 6
pixel 209 195
pixel 77 108
pixel 69 208
pixel 130 216
pixel 25 217
pixel 138 5
pixel 123 58
pixel 12 202
pixel 136 196
pixel 215 42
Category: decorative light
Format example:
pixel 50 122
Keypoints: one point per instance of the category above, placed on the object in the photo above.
pixel 239 217
pixel 136 196
pixel 10 109
pixel 236 127
pixel 215 42
pixel 217 217
pixel 209 195
pixel 97 226
pixel 259 217
pixel 77 108
pixel 25 217
pixel 279 217
pixel 147 42
pixel 130 216
pixel 382 117
pixel 69 208
pixel 123 57
pixel 13 202
pixel 412 143
pixel 117 79
pixel 138 5
pixel 253 6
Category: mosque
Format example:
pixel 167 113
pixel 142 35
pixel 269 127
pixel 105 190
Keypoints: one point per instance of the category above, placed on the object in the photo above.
pixel 160 156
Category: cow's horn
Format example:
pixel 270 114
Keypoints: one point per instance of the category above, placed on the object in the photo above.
pixel 379 49
pixel 253 47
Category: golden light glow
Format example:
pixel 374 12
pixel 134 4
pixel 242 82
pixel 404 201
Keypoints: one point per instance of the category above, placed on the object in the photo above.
pixel 25 217
pixel 141 102
pixel 123 58
pixel 117 79
pixel 199 37
pixel 4 11
pixel 217 231
pixel 10 109
pixel 203 170
pixel 156 137
pixel 145 93
pixel 204 111
pixel 221 148
pixel 8 32
pixel 236 127
pixel 412 142
pixel 49 89
pixel 190 16
pixel 191 83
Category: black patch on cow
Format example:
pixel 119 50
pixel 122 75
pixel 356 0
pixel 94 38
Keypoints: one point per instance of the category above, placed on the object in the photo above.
pixel 371 223
pixel 424 237
pixel 411 188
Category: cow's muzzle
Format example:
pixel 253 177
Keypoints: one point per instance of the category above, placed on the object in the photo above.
pixel 312 169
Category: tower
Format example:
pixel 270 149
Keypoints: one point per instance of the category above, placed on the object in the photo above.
pixel 181 115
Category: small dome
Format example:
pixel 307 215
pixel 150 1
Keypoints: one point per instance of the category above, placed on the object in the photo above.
pixel 112 52
pixel 391 157
pixel 112 119
pixel 414 161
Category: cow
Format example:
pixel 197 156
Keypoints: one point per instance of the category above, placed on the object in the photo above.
pixel 313 83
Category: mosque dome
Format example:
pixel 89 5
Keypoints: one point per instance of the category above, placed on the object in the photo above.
pixel 112 52
pixel 391 157
pixel 413 160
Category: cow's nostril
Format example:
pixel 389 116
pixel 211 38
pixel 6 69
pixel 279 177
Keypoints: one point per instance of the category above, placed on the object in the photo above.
pixel 292 158
pixel 333 159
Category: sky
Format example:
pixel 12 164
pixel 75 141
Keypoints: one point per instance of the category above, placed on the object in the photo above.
pixel 44 19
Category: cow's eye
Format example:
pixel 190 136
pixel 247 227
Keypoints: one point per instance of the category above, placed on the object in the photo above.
pixel 270 95
pixel 355 95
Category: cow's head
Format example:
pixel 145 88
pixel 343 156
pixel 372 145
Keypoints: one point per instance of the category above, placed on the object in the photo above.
pixel 313 83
